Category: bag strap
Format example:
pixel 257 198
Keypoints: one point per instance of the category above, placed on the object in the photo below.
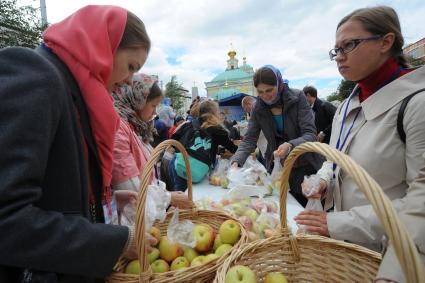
pixel 400 115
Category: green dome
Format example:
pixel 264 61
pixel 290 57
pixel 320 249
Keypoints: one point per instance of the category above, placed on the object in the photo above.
pixel 232 75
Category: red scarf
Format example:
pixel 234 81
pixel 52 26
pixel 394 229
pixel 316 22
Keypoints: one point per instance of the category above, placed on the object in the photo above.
pixel 86 42
pixel 380 78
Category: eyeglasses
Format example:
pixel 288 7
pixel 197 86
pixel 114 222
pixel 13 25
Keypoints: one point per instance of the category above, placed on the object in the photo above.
pixel 350 45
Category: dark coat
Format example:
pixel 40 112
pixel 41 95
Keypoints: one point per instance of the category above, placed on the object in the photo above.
pixel 298 128
pixel 324 115
pixel 44 207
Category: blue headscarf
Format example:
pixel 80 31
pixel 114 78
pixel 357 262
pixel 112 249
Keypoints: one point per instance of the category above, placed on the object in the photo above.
pixel 279 85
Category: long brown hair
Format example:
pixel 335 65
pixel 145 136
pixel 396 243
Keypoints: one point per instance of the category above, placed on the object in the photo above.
pixel 208 114
pixel 135 34
pixel 380 20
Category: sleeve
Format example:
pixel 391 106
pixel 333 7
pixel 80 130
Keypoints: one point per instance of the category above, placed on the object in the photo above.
pixel 330 113
pixel 224 140
pixel 124 164
pixel 360 224
pixel 412 214
pixel 36 238
pixel 305 122
pixel 249 143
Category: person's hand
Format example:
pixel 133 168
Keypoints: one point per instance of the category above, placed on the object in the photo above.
pixel 132 252
pixel 180 200
pixel 313 221
pixel 235 165
pixel 124 197
pixel 383 281
pixel 283 150
pixel 318 195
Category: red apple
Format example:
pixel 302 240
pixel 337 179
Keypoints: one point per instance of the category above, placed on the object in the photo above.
pixel 168 251
pixel 204 236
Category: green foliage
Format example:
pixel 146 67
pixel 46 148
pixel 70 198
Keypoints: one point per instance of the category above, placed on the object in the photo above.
pixel 344 90
pixel 174 90
pixel 19 25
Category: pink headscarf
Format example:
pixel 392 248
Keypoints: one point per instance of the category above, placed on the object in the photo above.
pixel 86 42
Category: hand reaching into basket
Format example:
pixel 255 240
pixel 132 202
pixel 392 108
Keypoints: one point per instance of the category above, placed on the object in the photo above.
pixel 314 222
pixel 131 248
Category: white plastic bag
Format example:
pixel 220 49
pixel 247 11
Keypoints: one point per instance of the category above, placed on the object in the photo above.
pixel 218 177
pixel 277 173
pixel 181 232
pixel 311 187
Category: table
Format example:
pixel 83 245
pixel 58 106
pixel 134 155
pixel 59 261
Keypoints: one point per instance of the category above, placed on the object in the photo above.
pixel 204 189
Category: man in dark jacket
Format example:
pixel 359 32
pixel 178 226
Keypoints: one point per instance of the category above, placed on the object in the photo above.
pixel 323 114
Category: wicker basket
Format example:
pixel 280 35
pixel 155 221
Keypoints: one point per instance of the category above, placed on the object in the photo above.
pixel 202 273
pixel 308 258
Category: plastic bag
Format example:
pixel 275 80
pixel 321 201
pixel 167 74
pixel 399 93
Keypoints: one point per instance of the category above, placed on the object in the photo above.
pixel 277 173
pixel 218 177
pixel 181 232
pixel 311 187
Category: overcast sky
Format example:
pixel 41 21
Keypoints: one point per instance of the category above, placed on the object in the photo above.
pixel 191 38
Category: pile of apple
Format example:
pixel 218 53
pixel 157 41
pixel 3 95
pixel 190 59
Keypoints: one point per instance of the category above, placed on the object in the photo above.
pixel 243 274
pixel 258 215
pixel 169 256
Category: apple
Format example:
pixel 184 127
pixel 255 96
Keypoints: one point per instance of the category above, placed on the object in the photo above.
pixel 199 260
pixel 252 236
pixel 224 248
pixel 225 202
pixel 251 213
pixel 240 274
pixel 179 263
pixel 246 222
pixel 153 255
pixel 238 208
pixel 217 242
pixel 156 233
pixel 168 251
pixel 133 267
pixel 269 233
pixel 230 232
pixel 275 277
pixel 272 206
pixel 211 257
pixel 160 266
pixel 190 254
pixel 204 236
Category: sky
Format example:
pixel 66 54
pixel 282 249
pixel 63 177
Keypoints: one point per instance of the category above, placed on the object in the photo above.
pixel 191 38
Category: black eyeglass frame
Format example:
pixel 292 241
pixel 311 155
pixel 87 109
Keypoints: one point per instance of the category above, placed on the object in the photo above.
pixel 356 41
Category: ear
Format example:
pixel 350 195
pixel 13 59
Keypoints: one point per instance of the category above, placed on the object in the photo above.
pixel 387 42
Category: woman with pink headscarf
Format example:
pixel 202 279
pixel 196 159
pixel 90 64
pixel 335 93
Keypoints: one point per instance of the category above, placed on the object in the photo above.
pixel 58 125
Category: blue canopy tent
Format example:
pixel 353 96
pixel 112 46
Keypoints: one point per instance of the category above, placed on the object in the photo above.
pixel 231 106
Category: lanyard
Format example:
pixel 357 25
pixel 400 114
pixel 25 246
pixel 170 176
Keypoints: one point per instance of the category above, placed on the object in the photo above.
pixel 339 146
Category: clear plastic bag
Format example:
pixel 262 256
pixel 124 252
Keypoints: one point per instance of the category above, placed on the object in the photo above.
pixel 181 232
pixel 218 177
pixel 311 186
pixel 277 173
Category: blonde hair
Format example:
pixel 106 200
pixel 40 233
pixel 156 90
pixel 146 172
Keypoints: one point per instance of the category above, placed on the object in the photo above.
pixel 380 20
pixel 208 114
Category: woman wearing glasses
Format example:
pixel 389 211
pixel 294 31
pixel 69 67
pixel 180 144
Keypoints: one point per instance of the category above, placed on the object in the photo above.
pixel 368 50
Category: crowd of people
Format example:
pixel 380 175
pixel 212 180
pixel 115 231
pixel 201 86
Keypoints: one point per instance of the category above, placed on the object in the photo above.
pixel 80 122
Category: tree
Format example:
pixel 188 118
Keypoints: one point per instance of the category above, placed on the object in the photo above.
pixel 19 25
pixel 344 90
pixel 175 91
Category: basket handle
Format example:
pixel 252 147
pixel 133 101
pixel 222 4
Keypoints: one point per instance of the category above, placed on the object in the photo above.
pixel 145 180
pixel 404 246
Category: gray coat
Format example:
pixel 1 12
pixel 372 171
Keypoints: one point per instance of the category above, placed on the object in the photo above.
pixel 298 127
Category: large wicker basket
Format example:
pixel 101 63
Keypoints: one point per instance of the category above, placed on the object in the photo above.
pixel 308 258
pixel 202 273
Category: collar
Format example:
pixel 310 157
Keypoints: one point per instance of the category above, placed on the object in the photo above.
pixel 395 92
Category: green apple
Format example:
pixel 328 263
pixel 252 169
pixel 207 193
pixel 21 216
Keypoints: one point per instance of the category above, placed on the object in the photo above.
pixel 153 255
pixel 204 236
pixel 217 242
pixel 160 266
pixel 168 251
pixel 229 232
pixel 179 263
pixel 251 213
pixel 211 257
pixel 275 277
pixel 190 254
pixel 224 248
pixel 199 260
pixel 133 267
pixel 240 274
pixel 238 208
